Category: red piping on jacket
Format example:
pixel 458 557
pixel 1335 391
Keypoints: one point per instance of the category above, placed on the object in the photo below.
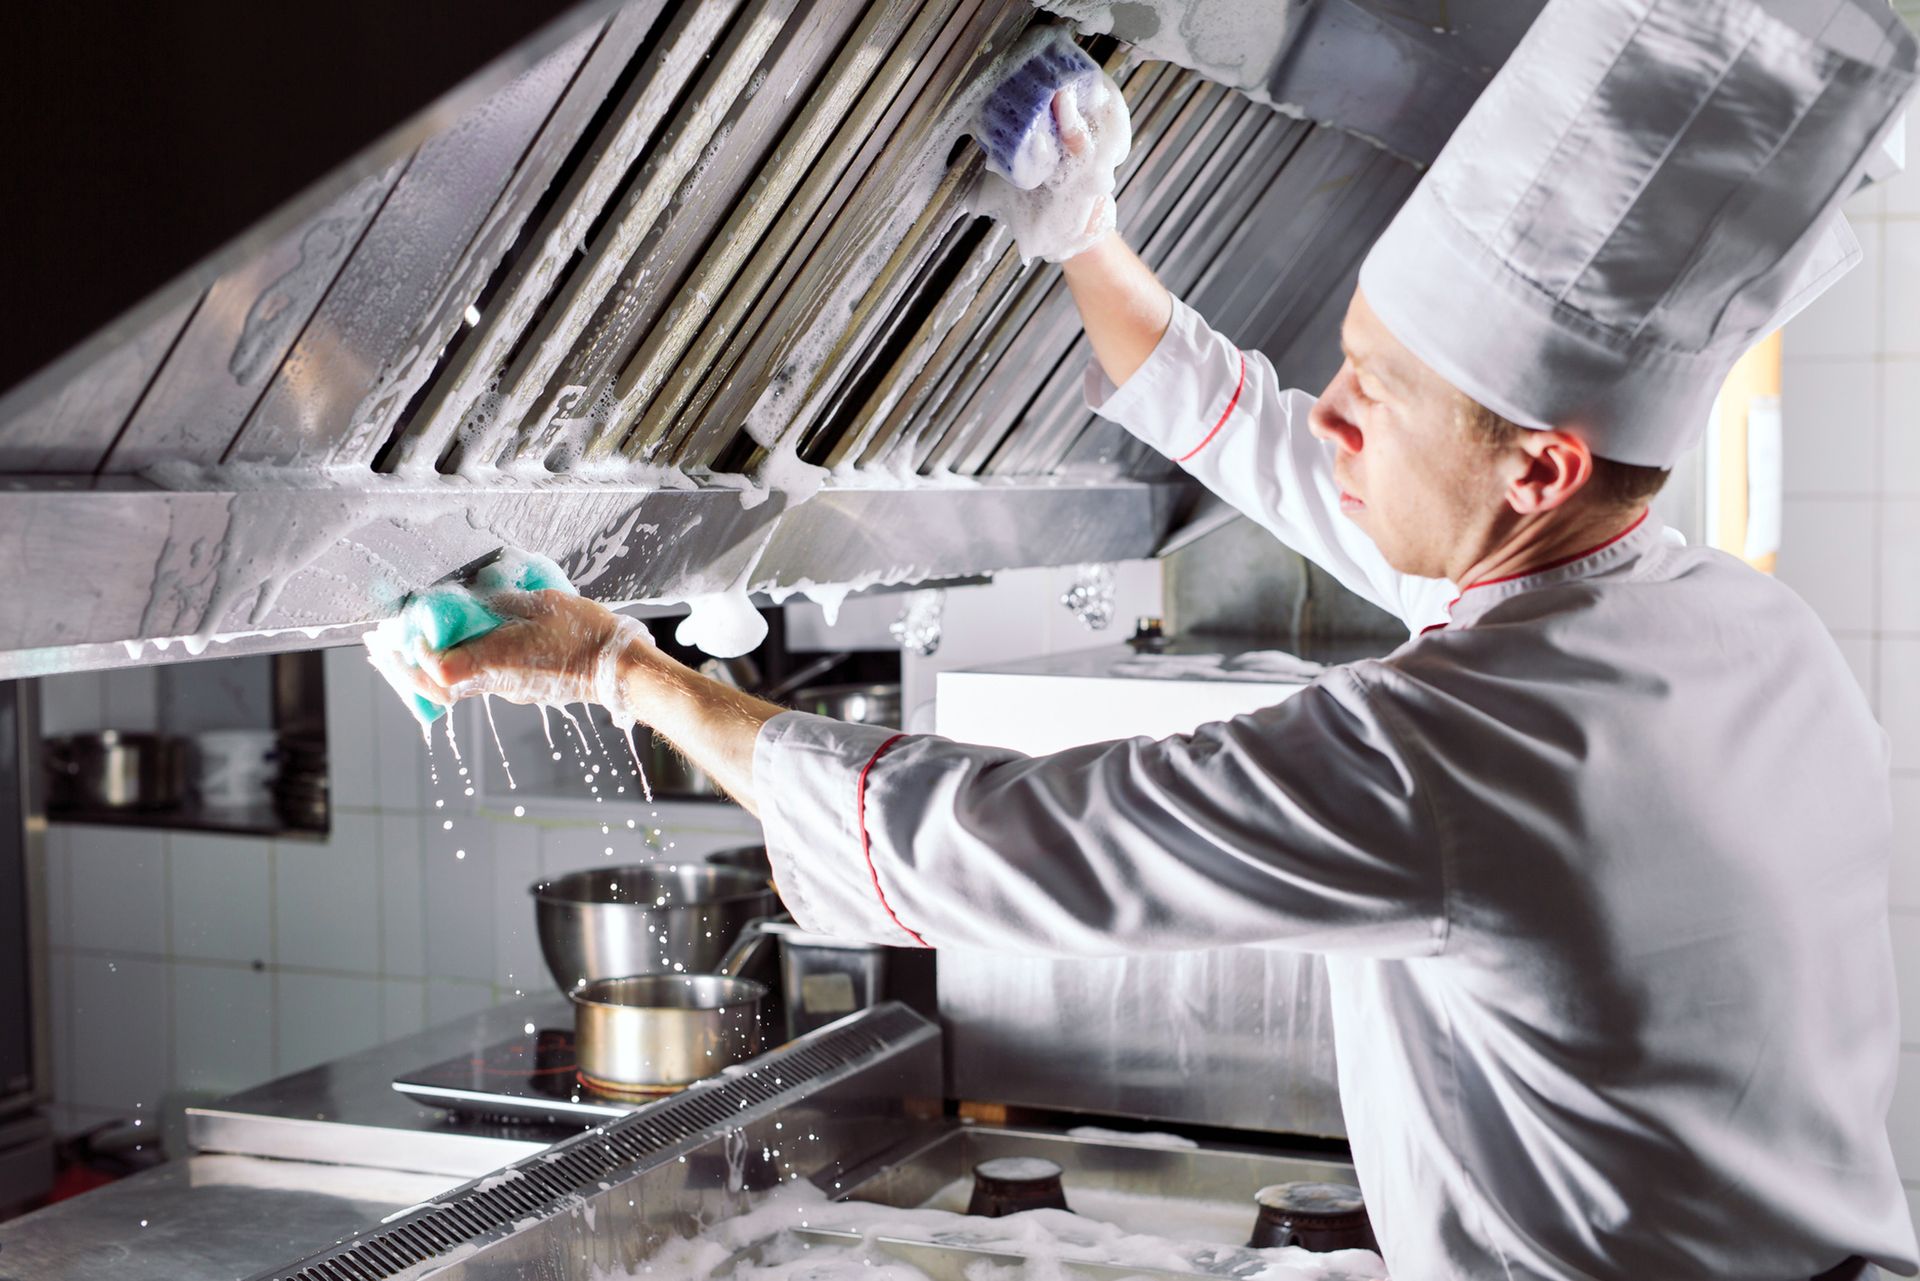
pixel 1208 439
pixel 1550 566
pixel 1561 563
pixel 866 846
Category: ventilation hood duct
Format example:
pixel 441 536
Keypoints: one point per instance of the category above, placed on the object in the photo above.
pixel 619 309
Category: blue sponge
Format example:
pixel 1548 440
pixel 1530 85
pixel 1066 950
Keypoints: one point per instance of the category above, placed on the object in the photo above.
pixel 451 611
pixel 1016 126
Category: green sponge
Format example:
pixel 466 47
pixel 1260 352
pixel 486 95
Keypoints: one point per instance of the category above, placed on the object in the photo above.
pixel 451 611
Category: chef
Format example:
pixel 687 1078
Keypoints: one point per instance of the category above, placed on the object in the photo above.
pixel 1599 857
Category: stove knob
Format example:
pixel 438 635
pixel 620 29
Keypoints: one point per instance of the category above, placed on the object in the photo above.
pixel 1010 1184
pixel 1321 1217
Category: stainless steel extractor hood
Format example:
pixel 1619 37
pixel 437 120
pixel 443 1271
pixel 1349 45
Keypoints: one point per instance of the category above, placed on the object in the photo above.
pixel 608 311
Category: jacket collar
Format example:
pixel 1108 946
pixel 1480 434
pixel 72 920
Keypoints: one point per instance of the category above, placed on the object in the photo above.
pixel 1622 549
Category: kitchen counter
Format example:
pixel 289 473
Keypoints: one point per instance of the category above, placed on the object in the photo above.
pixel 208 1218
pixel 287 1168
pixel 347 1112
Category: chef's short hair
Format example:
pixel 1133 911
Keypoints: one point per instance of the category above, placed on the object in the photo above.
pixel 1614 484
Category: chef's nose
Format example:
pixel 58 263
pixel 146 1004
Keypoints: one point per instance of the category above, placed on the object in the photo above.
pixel 1328 422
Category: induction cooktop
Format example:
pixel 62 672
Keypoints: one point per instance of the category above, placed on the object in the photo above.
pixel 534 1077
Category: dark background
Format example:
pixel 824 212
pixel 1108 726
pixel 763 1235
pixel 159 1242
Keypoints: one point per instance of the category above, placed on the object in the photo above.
pixel 136 138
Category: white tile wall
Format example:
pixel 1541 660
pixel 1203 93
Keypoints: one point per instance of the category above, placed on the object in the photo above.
pixel 1899 301
pixel 1827 554
pixel 1851 543
pixel 120 1033
pixel 403 911
pixel 1899 666
pixel 353 776
pixel 403 1007
pixel 449 999
pixel 321 1017
pixel 222 897
pixel 1840 457
pixel 1900 437
pixel 571 847
pixel 516 943
pixel 1899 565
pixel 222 1027
pixel 326 898
pixel 117 882
pixel 458 880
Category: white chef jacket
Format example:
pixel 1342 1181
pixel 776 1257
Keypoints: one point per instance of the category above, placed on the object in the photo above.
pixel 1599 866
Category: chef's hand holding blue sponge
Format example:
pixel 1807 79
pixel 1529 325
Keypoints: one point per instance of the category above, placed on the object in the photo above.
pixel 451 611
pixel 1016 126
pixel 1054 128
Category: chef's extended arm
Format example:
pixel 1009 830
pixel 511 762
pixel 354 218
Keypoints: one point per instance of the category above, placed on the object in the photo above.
pixel 1221 414
pixel 1300 825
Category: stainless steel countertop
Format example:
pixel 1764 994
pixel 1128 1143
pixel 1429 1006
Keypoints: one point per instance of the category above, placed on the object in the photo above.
pixel 209 1218
pixel 347 1112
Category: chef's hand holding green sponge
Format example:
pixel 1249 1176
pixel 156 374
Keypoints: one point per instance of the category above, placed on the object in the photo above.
pixel 464 607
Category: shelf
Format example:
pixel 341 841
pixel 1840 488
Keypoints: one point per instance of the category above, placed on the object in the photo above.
pixel 260 822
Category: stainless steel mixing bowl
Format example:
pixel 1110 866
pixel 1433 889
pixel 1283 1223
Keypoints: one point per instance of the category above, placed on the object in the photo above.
pixel 652 918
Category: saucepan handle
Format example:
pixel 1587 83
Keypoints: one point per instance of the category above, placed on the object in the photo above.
pixel 753 936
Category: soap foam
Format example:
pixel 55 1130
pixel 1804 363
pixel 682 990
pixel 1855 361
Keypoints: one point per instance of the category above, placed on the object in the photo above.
pixel 724 624
pixel 1048 1239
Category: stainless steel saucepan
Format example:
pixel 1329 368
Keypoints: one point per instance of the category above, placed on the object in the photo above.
pixel 657 1031
pixel 648 1032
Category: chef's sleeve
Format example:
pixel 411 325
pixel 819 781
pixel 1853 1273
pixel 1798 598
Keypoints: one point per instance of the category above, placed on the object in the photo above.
pixel 1301 825
pixel 1221 414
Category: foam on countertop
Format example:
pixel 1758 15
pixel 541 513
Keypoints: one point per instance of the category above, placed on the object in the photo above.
pixel 1047 1238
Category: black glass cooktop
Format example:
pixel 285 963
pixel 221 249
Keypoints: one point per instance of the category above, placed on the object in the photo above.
pixel 534 1077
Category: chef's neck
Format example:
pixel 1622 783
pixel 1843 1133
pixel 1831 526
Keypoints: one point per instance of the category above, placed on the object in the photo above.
pixel 1530 544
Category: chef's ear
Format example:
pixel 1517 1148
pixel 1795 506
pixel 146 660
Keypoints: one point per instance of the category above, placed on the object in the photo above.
pixel 1557 465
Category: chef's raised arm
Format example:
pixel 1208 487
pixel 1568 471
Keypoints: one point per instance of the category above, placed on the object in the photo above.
pixel 1221 414
pixel 1299 825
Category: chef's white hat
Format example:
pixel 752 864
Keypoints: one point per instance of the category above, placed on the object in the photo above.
pixel 1644 190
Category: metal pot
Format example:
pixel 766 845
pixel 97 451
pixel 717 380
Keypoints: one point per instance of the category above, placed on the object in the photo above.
pixel 861 704
pixel 653 918
pixel 671 774
pixel 114 770
pixel 658 1031
pixel 745 858
pixel 823 978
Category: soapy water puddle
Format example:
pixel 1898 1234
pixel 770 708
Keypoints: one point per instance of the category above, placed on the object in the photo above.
pixel 796 1234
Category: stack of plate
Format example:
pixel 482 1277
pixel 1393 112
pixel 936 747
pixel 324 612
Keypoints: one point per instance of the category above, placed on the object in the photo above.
pixel 300 792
